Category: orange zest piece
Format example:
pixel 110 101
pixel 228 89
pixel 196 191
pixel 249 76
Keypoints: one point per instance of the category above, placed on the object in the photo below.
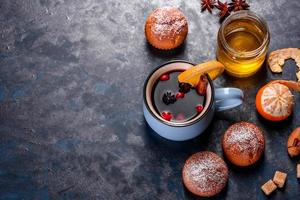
pixel 192 75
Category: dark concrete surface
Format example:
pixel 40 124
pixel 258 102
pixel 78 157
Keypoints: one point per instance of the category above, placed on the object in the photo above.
pixel 71 122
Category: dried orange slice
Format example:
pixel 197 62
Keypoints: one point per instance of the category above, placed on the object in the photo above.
pixel 274 101
pixel 192 75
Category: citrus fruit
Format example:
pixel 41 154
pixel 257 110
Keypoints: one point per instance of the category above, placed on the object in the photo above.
pixel 274 102
pixel 192 75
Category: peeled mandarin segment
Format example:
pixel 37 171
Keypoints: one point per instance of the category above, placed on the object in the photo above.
pixel 192 75
pixel 277 100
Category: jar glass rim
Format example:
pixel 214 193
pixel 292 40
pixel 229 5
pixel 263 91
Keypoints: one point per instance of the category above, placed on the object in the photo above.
pixel 250 15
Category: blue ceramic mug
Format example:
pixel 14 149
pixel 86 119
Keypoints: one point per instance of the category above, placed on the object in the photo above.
pixel 216 100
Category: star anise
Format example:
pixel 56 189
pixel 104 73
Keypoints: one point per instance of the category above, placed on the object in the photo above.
pixel 169 98
pixel 236 5
pixel 207 5
pixel 224 9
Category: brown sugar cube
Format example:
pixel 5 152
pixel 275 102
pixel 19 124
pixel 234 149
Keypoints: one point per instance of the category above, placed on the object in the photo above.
pixel 279 178
pixel 298 170
pixel 268 187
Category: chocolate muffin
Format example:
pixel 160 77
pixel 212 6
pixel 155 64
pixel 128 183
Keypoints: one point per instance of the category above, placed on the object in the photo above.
pixel 205 174
pixel 243 143
pixel 166 28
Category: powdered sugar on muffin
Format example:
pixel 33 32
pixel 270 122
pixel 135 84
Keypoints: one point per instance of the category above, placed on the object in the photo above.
pixel 168 22
pixel 205 174
pixel 243 143
pixel 166 28
pixel 243 139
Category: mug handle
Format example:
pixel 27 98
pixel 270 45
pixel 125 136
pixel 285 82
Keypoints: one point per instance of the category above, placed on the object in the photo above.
pixel 227 98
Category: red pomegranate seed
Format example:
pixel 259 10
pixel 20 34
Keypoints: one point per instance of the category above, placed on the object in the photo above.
pixel 166 115
pixel 199 108
pixel 164 77
pixel 179 95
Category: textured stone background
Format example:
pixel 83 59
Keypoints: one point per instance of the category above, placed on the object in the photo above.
pixel 71 122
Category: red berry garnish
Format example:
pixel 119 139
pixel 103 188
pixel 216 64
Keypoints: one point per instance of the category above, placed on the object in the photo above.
pixel 164 77
pixel 166 115
pixel 179 95
pixel 199 108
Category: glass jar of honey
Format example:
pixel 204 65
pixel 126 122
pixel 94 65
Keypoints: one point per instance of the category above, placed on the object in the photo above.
pixel 243 41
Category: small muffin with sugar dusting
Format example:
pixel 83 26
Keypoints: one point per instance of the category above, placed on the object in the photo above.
pixel 205 174
pixel 243 143
pixel 166 28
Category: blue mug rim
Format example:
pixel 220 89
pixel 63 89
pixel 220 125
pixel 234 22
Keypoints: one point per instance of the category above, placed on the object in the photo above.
pixel 172 124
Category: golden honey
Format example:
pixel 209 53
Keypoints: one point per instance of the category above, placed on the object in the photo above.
pixel 243 41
